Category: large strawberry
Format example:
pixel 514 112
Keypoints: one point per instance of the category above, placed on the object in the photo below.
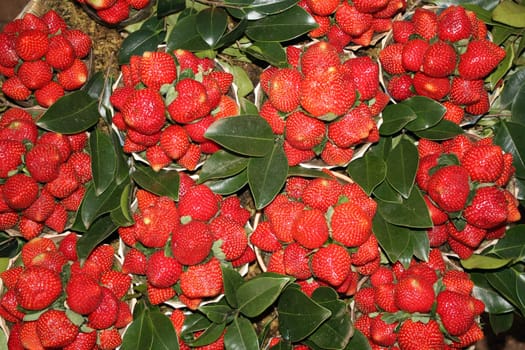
pixel 449 187
pixel 331 264
pixel 414 294
pixel 488 208
pixel 83 294
pixel 350 225
pixel 37 288
pixel 55 329
pixel 456 311
pixel 202 280
pixel 162 271
pixel 283 89
pixel 480 58
pixel 144 111
pixel 192 243
pixel 415 335
pixel 310 229
pixel 304 132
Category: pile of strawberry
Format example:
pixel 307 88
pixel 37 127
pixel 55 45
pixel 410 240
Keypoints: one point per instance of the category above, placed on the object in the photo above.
pixel 324 103
pixel 179 247
pixel 342 22
pixel 53 301
pixel 114 12
pixel 166 103
pixel 43 175
pixel 41 58
pixel 320 232
pixel 444 56
pixel 464 184
pixel 423 306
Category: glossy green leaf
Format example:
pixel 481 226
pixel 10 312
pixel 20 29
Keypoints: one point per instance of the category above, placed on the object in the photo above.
pixel 269 7
pixel 246 134
pixel 208 336
pixel 162 183
pixel 412 212
pixel 443 130
pixel 267 175
pixel 211 24
pixel 484 262
pixel 71 114
pixel 512 245
pixel 9 246
pixel 494 302
pixel 394 240
pixel 256 295
pixel 299 315
pixel 387 193
pixel 122 216
pixel 395 118
pixel 184 35
pixel 194 322
pixel 233 34
pixel 518 114
pixel 269 51
pixel 232 280
pixel 240 335
pixel 500 34
pixel 428 112
pixel 95 85
pixel 122 168
pixel 482 8
pixel 501 322
pixel 508 12
pixel 167 7
pixel 368 171
pixel 150 330
pixel 401 167
pixel 307 172
pixel 218 312
pixel 510 283
pixel 503 67
pixel 382 148
pixel 247 106
pixel 138 42
pixel 510 136
pixel 101 229
pixel 103 160
pixel 222 164
pixel 283 26
pixel 512 89
pixel 229 185
pixel 358 341
pixel 153 23
pixel 242 81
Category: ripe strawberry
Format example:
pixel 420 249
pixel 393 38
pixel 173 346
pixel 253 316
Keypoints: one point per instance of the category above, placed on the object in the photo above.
pixel 15 89
pixel 174 141
pixel 425 23
pixel 365 74
pixel 335 155
pixel 162 271
pixel 453 113
pixel 105 315
pixel 8 56
pixel 10 276
pixel 118 282
pixel 109 339
pixel 72 202
pixel 77 141
pixel 81 42
pixel 84 340
pixel 157 158
pixel 480 107
pixel 35 74
pixel 155 224
pixel 413 54
pixel 331 264
pixel 319 55
pixel 20 191
pixel 439 60
pixel 458 281
pixel 224 80
pixel 116 13
pixel 41 208
pixel 479 28
pixel 322 8
pixel 370 6
pixel 431 87
pixel 351 20
pixel 227 107
pixel 68 246
pixel 466 92
pixel 192 243
pixel 55 329
pixel 415 335
pixel 37 288
pixel 9 307
pixel 362 324
pixel 473 335
pixel 159 295
pixel 81 163
pixel 203 280
pixel 232 208
pixel 200 203
pixel 296 261
pixel 488 208
pixel 426 147
pixel 402 30
pixel 367 252
pixel 74 77
pixel 231 234
pixel 263 237
pixel 296 156
pixel 54 21
pixel 337 37
pixel 282 216
pixel 484 163
pixel 61 53
pixel 480 58
pixel 49 94
pixel 437 215
pixel 400 87
pixel 29 338
pixel 456 311
pixel 84 293
pixel 454 24
pixel 191 158
pixel 135 262
pixel 391 59
pixel 157 68
pixel 414 294
pixel 381 332
pixel 144 111
pixel 21 130
pixel 99 260
pixel 304 132
pixel 353 128
pixel 283 92
pixel 31 44
pixel 350 225
pixel 124 315
pixel 448 187
pixel 65 183
pixel 143 139
pixel 59 140
pixel 310 228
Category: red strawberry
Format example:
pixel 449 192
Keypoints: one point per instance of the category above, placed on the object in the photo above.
pixel 29 338
pixel 81 42
pixel 191 158
pixel 41 208
pixel 426 147
pixel 353 128
pixel 159 295
pixel 49 94
pixel 73 201
pixel 8 55
pixel 296 156
pixel 135 262
pixel 456 311
pixel 54 21
pixel 413 54
pixel 105 315
pixel 391 59
pixel 473 335
pixel 116 13
pixel 65 183
pixel 20 191
pixel 402 30
pixel 400 87
pixel 365 74
pixel 415 335
pixel 157 68
pixel 124 315
pixel 157 158
pixel 350 225
pixel 335 155
pixel 231 207
pixel 162 271
pixel 263 237
pixel 321 7
pixel 74 77
pixel 466 92
pixel 21 130
pixel 61 53
pixel 310 229
pixel 59 140
pixel 351 20
pixel 192 243
pixel 68 246
pixel 224 80
pixel 484 163
pixel 231 234
pixel 366 253
pixel 37 288
pixel 365 300
pixel 109 339
pixel 116 281
pixel 99 260
pixel 83 341
pixel 304 132
pixel 81 163
pixel 381 332
pixel 331 264
pixel 425 23
pixel 227 107
pixel 58 219
pixel 480 107
pixel 174 141
pixel 479 28
pixel 55 329
pixel 480 58
pixel 283 92
pixel 144 111
pixel 296 261
pixel 454 113
pixel 203 280
pixel 9 305
pixel 488 208
pixel 31 44
pixel 281 217
pixel 431 87
pixel 319 55
pixel 77 141
pixel 368 6
pixel 437 215
pixel 414 294
pixel 458 281
pixel 454 24
pixel 200 203
pixel 449 187
pixel 10 276
pixel 439 60
pixel 384 296
pixel 35 74
pixel 15 89
pixel 337 37
pixel 155 225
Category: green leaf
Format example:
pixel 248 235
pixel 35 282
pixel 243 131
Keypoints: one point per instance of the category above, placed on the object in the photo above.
pixel 184 35
pixel 518 114
pixel 510 283
pixel 395 118
pixel 242 81
pixel 428 112
pixel 503 68
pixel 241 335
pixel 484 262
pixel 162 183
pixel 233 34
pixel 269 7
pixel 267 175
pixel 211 24
pixel 101 229
pixel 271 52
pixel 222 164
pixel 358 341
pixel 510 136
pixel 394 240
pixel 283 26
pixel 246 134
pixel 71 114
pixel 387 193
pixel 412 212
pixel 482 8
pixel 443 130
pixel 103 160
pixel 229 185
pixel 232 280
pixel 138 42
pixel 219 312
pixel 167 7
pixel 512 245
pixel 508 12
pixel 9 246
pixel 368 171
pixel 501 322
pixel 247 106
pixel 150 330
pixel 95 85
pixel 210 334
pixel 514 87
pixel 402 166
pixel 501 33
pixel 256 295
pixel 299 315
pixel 494 302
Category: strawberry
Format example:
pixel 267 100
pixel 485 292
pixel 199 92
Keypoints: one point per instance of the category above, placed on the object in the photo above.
pixel 55 329
pixel 362 324
pixel 203 280
pixel 155 225
pixel 68 246
pixel 479 28
pixel 231 234
pixel 77 141
pixel 192 243
pixel 191 158
pixel 381 332
pixel 21 130
pixel 350 224
pixel 54 21
pixel 35 247
pixel 425 23
pixel 439 60
pixel 29 229
pixel 322 7
pixel 448 187
pixel 415 335
pixel 37 288
pixel 99 260
pixel 331 264
pixel 29 338
pixel 351 20
pixel 391 59
pixel 157 68
pixel 263 237
pixel 281 217
pixel 35 74
pixel 159 295
pixel 319 55
pixel 488 208
pixel 81 164
pixel 480 107
pixel 124 315
pixel 73 201
pixel 310 229
pixel 437 215
pixel 480 58
pixel 200 203
pixel 353 128
pixel 484 163
pixel 431 87
pixel 364 300
pixel 400 87
pixel 337 37
pixel 41 208
pixel 15 89
pixel 456 311
pixel 366 252
pixel 61 53
pixel 109 339
pixel 466 92
pixel 370 6
pixel 157 158
pixel 144 111
pixel 31 44
pixel 65 183
pixel 135 262
pixel 454 24
pixel 365 74
pixel 83 340
pixel 81 42
pixel 59 140
pixel 143 139
pixel 402 30
pixel 83 294
pixel 458 281
pixel 105 315
pixel 384 296
pixel 321 193
pixel 232 208
pixel 9 305
pixel 116 13
pixel 174 141
pixel 49 94
pixel 283 92
pixel 100 4
pixel 8 55
pixel 20 191
pixel 162 271
pixel 413 54
pixel 304 132
pixel 227 107
pixel 223 79
pixel 414 294
pixel 74 77
pixel 473 335
pixel 426 147
pixel 296 261
pixel 453 113
pixel 10 276
pixel 118 282
pixel 296 156
pixel 335 155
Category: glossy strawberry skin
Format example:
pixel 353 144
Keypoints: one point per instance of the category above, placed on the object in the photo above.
pixel 331 264
pixel 449 187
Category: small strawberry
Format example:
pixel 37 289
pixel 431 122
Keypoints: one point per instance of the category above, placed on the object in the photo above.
pixel 350 225
pixel 319 55
pixel 282 216
pixel 41 208
pixel 54 21
pixel 391 59
pixel 100 4
pixel 413 54
pixel 200 203
pixel 15 89
pixel 488 208
pixel 124 315
pixel 400 87
pixel 105 315
pixel 415 335
pixel 227 107
pixel 365 300
pixel 425 23
pixel 81 42
pixel 31 44
pixel 296 261
pixel 144 111
pixel 283 89
pixel 310 229
pixel 191 158
pixel 304 132
pixel 84 293
pixel 9 305
pixel 322 8
pixel 296 156
pixel 335 155
pixel 65 183
pixel 20 191
pixel 232 208
pixel 365 74
pixel 162 271
pixel 84 340
pixel 73 77
pixel 73 201
pixel 192 243
pixel 437 215
pixel 174 141
pixel 116 13
pixel 454 24
pixel 439 60
pixel 29 338
pixel 466 92
pixel 116 281
pixel 431 87
pixel 159 295
pixel 135 262
pixel 81 163
pixel 481 107
pixel 203 280
pixel 414 294
pixel 372 6
pixel 157 68
pixel 331 264
pixel 8 55
pixel 381 332
pixel 337 37
pixel 55 329
pixel 353 128
pixel 263 237
pixel 453 113
pixel 484 163
pixel 456 311
pixel 61 53
pixel 231 234
pixel 366 253
pixel 351 20
pixel 449 187
pixel 99 260
pixel 37 288
pixel 68 246
pixel 480 58
pixel 109 339
pixel 35 74
pixel 402 30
